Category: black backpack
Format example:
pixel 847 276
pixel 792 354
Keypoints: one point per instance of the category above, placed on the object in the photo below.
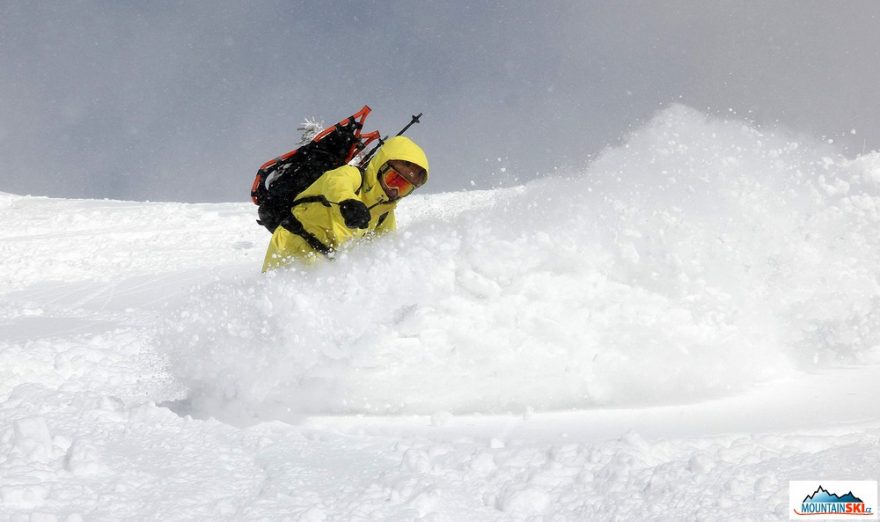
pixel 280 180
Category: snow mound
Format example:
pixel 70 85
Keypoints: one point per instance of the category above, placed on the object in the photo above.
pixel 699 258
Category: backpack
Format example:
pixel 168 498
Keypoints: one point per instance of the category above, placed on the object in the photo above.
pixel 281 179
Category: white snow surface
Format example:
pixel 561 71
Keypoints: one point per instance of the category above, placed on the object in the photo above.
pixel 673 333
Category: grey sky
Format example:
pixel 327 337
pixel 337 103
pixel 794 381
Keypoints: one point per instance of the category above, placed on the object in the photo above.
pixel 183 101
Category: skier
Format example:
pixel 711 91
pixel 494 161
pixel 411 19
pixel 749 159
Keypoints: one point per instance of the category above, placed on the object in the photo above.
pixel 345 204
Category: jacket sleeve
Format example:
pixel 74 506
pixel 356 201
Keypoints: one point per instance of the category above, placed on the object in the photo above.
pixel 339 185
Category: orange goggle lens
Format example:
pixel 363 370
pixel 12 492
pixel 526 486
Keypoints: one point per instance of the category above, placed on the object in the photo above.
pixel 395 181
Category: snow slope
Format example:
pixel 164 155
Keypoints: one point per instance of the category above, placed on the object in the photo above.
pixel 672 334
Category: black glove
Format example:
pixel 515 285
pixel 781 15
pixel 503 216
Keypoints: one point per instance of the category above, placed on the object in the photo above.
pixel 355 213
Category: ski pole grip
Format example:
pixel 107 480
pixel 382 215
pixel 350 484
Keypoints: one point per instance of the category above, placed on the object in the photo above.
pixel 415 119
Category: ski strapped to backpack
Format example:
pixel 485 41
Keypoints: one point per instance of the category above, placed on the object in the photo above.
pixel 280 180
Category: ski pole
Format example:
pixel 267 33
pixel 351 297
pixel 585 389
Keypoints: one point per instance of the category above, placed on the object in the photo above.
pixel 415 119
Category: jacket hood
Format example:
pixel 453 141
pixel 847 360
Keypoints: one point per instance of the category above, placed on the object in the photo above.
pixel 395 148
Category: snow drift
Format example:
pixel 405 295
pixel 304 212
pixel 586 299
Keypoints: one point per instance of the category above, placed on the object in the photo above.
pixel 697 258
pixel 700 259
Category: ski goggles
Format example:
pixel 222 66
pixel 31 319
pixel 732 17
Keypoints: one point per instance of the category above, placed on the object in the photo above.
pixel 400 181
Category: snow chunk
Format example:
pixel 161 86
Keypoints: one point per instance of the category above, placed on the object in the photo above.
pixel 84 459
pixel 523 501
pixel 32 438
pixel 24 496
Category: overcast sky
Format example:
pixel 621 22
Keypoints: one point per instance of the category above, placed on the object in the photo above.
pixel 183 101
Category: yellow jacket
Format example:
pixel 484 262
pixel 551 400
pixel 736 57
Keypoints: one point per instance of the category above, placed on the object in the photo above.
pixel 322 218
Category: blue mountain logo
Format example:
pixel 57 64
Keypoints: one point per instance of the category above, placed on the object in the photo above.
pixel 823 502
pixel 823 495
